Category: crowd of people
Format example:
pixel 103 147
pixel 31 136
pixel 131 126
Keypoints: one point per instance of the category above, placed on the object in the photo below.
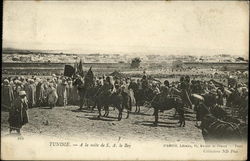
pixel 40 92
pixel 20 93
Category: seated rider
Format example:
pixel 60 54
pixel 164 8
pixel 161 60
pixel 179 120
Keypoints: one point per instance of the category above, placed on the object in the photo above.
pixel 156 90
pixel 165 90
pixel 144 82
pixel 106 88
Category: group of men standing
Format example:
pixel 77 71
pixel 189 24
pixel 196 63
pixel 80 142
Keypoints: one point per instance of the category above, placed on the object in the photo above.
pixel 20 93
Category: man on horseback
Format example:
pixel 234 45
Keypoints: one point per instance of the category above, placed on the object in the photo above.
pixel 106 88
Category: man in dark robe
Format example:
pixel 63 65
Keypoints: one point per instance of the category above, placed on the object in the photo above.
pixel 18 113
pixel 7 95
pixel 39 94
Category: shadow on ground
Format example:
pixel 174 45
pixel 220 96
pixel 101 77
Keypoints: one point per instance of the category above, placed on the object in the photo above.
pixel 160 124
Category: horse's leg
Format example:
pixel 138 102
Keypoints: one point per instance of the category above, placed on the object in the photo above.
pixel 99 110
pixel 127 114
pixel 156 116
pixel 107 111
pixel 129 109
pixel 120 113
pixel 106 108
pixel 81 103
pixel 137 108
pixel 92 108
pixel 184 120
pixel 181 116
pixel 87 103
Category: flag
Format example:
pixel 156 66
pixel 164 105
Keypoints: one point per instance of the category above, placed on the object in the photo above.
pixel 76 66
pixel 80 69
pixel 69 70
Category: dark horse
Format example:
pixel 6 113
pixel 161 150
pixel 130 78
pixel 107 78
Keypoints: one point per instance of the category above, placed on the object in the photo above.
pixel 78 82
pixel 120 100
pixel 86 88
pixel 142 97
pixel 238 103
pixel 162 103
pixel 215 129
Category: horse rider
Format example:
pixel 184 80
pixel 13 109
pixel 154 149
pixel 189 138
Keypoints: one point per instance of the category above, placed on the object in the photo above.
pixel 155 89
pixel 106 88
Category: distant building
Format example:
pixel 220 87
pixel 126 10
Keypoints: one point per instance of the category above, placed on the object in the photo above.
pixel 177 64
pixel 25 59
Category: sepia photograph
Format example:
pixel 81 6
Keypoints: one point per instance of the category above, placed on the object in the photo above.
pixel 124 80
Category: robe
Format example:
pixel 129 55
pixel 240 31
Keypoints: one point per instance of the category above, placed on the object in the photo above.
pixel 62 94
pixel 31 95
pixel 7 97
pixel 18 115
pixel 52 96
pixel 39 94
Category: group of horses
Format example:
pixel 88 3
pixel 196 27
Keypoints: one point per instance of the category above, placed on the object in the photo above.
pixel 215 124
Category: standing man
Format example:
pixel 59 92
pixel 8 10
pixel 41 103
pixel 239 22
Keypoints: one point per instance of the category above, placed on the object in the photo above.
pixel 31 95
pixel 52 96
pixel 62 93
pixel 18 113
pixel 7 95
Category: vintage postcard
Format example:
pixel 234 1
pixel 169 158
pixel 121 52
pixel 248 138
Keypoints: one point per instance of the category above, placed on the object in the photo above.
pixel 124 80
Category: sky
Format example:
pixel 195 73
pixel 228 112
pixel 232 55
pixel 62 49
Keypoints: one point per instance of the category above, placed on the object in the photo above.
pixel 149 27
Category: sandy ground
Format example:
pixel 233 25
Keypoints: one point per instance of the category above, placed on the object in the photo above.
pixel 68 123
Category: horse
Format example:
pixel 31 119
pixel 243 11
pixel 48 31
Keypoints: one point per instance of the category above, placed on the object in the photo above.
pixel 79 83
pixel 142 97
pixel 238 102
pixel 120 100
pixel 234 98
pixel 90 97
pixel 162 103
pixel 86 88
pixel 183 96
pixel 215 129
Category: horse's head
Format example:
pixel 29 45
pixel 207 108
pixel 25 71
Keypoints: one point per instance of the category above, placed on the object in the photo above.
pixel 89 79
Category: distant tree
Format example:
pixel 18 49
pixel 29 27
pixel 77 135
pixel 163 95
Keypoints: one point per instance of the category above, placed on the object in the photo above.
pixel 240 59
pixel 135 63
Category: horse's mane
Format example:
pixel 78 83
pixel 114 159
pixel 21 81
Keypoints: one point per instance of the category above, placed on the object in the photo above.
pixel 89 78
